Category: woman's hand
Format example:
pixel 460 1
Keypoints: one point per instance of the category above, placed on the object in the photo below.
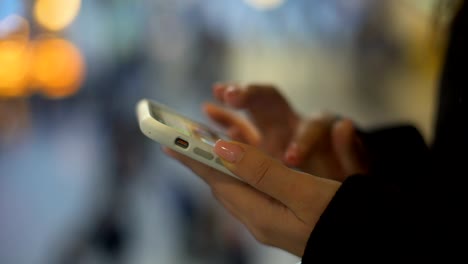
pixel 280 206
pixel 320 144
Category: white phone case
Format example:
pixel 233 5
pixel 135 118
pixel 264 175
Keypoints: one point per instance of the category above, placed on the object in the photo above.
pixel 150 118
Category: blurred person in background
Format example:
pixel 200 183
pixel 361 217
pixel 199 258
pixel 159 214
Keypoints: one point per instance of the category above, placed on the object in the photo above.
pixel 320 188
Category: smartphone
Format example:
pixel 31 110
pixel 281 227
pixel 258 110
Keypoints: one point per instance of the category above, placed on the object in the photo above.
pixel 180 133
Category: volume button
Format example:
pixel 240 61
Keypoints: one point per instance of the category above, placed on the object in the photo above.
pixel 203 153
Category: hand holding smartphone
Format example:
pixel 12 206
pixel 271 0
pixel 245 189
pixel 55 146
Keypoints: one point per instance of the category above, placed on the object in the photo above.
pixel 179 133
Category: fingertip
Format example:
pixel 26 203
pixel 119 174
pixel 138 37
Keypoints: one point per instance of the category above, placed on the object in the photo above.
pixel 233 96
pixel 173 154
pixel 229 151
pixel 345 124
pixel 347 132
pixel 218 91
pixel 167 151
pixel 216 113
pixel 207 108
pixel 292 155
pixel 343 130
pixel 348 147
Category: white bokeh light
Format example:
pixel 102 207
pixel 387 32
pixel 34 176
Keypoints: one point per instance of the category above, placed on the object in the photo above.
pixel 265 4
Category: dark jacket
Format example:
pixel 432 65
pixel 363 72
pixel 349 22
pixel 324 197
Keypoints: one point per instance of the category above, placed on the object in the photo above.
pixel 411 205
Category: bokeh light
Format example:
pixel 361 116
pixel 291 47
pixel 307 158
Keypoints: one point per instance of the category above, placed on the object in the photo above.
pixel 14 27
pixel 57 67
pixel 265 4
pixel 8 7
pixel 53 65
pixel 55 15
pixel 14 56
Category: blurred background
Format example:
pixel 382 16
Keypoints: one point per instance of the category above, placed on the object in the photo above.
pixel 79 183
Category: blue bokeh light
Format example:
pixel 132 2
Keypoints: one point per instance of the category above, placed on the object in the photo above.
pixel 8 7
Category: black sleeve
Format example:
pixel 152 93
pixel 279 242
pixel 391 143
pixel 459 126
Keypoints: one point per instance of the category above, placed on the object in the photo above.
pixel 408 207
pixel 380 216
pixel 398 154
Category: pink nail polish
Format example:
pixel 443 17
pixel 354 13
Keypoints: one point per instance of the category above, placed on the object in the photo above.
pixel 229 152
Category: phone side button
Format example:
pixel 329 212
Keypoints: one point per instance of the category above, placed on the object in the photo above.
pixel 205 154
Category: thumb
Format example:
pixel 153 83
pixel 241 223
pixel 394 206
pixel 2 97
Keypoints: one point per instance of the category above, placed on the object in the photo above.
pixel 263 172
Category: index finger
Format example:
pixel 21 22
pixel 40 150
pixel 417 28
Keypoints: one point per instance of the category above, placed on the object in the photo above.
pixel 248 96
pixel 229 120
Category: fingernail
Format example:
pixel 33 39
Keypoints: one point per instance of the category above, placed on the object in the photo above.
pixel 232 91
pixel 229 152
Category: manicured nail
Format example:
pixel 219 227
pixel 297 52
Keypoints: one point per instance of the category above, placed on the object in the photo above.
pixel 229 152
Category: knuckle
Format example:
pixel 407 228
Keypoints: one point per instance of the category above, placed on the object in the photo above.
pixel 261 171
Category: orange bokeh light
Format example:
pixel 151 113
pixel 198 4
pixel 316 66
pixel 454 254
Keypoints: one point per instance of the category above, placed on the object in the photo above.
pixel 55 15
pixel 57 67
pixel 14 61
pixel 52 65
pixel 14 56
